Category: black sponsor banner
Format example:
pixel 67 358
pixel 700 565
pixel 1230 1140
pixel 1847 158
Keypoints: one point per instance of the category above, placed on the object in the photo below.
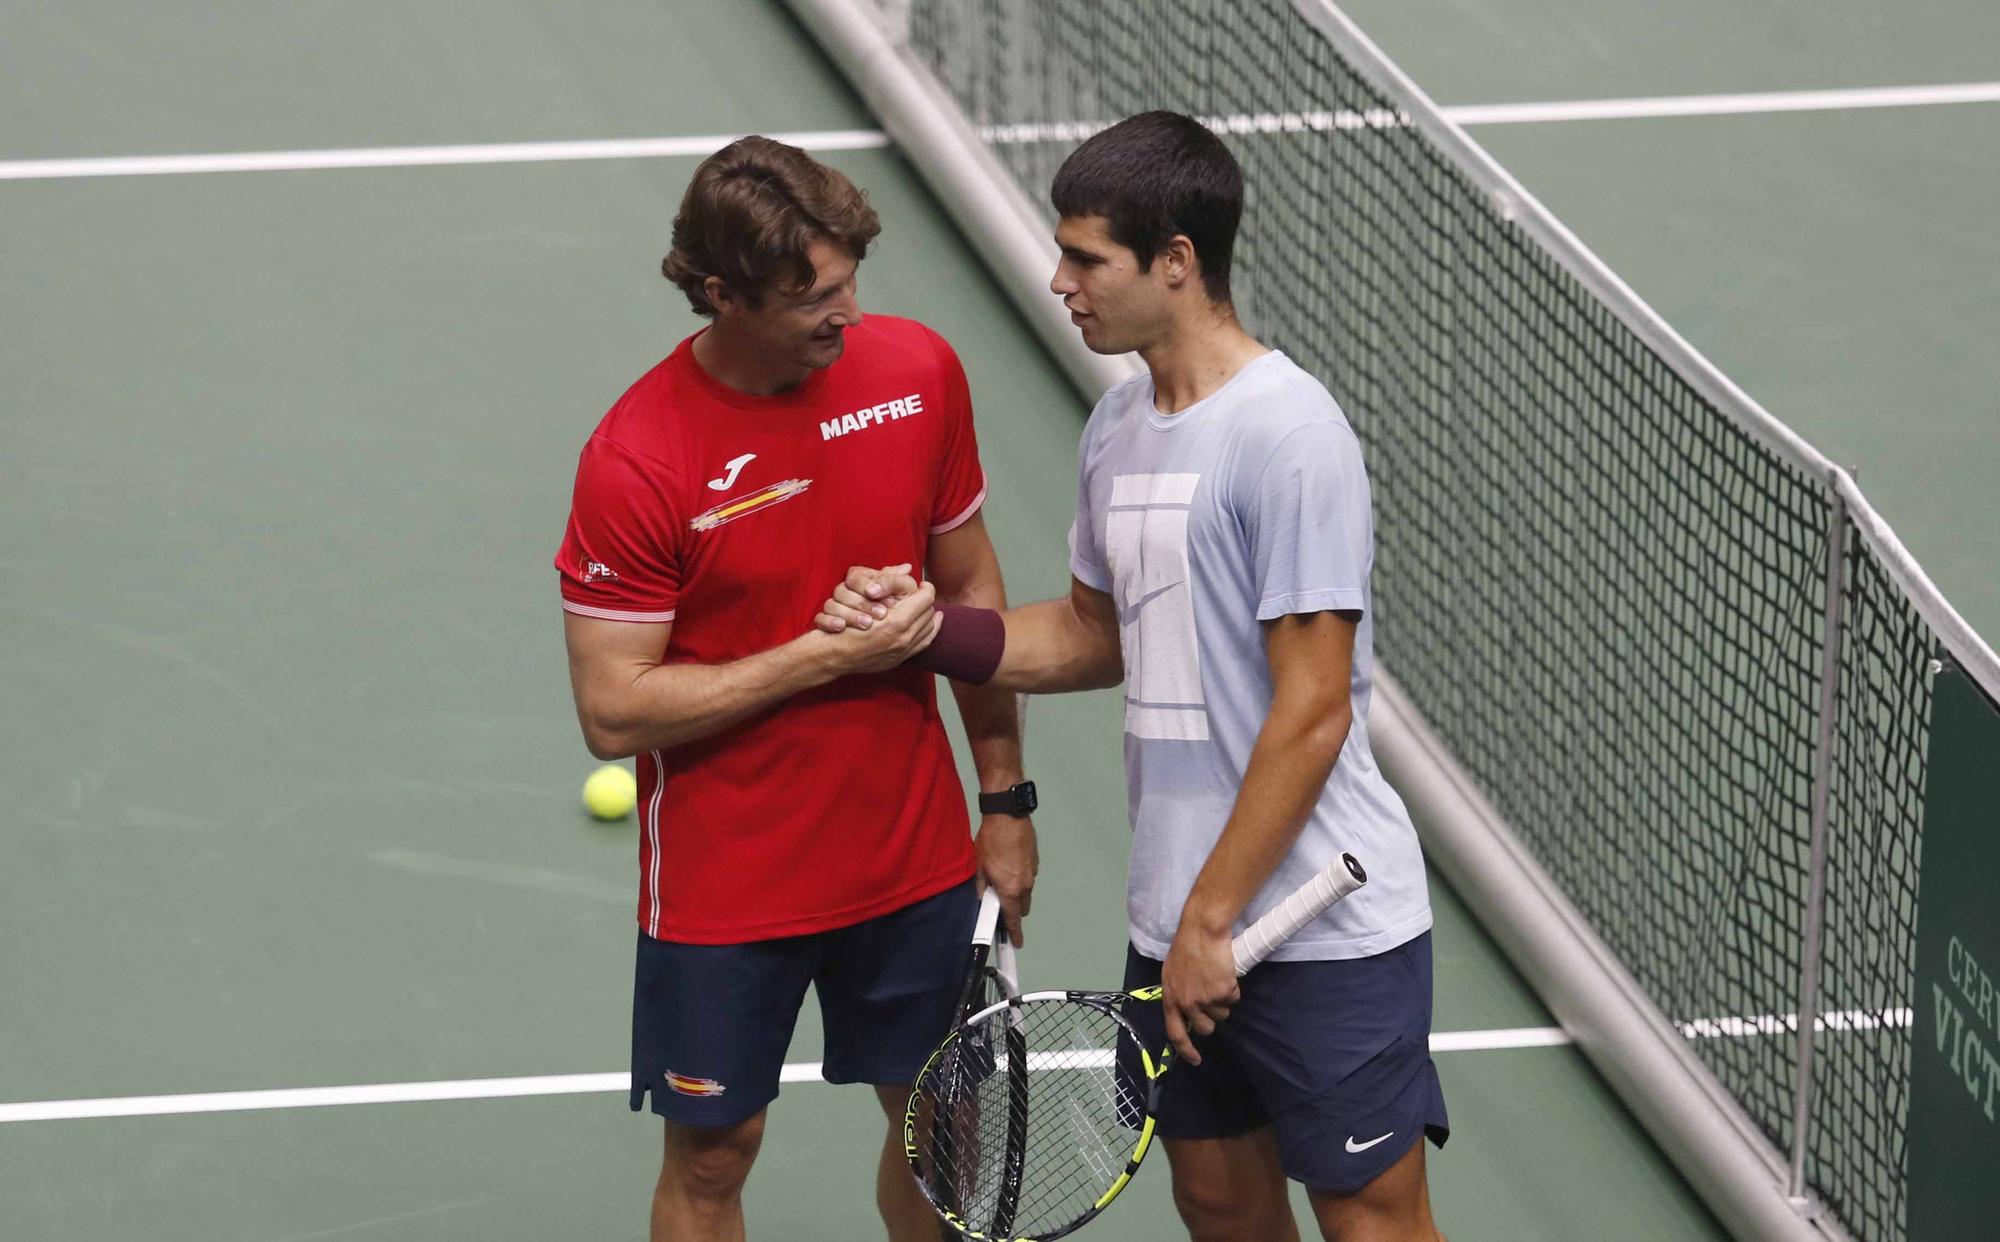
pixel 1955 1071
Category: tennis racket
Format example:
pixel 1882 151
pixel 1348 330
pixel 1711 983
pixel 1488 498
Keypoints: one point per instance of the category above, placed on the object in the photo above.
pixel 1033 1115
pixel 992 979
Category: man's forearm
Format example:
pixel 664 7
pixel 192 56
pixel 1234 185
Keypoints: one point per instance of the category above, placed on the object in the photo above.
pixel 1051 649
pixel 1289 766
pixel 992 717
pixel 673 704
pixel 992 713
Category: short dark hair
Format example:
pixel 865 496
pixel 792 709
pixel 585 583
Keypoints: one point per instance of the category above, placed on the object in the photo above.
pixel 749 214
pixel 1155 175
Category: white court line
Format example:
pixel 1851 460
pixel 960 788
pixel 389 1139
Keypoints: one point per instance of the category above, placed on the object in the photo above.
pixel 1491 1041
pixel 1725 105
pixel 801 1071
pixel 502 1088
pixel 1541 113
pixel 405 157
pixel 314 1097
pixel 1788 1023
pixel 1075 131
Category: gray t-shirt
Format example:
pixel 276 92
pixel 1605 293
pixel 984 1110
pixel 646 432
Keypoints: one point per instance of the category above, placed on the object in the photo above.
pixel 1248 505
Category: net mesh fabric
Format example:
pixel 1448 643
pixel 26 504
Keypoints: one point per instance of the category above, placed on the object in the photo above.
pixel 1050 1065
pixel 1602 592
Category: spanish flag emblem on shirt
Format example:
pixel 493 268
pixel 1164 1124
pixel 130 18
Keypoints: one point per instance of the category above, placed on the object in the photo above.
pixel 682 1084
pixel 744 506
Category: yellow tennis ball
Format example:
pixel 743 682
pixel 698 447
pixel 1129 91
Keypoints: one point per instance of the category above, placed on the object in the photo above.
pixel 611 792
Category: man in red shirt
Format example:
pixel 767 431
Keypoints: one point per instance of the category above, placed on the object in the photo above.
pixel 801 821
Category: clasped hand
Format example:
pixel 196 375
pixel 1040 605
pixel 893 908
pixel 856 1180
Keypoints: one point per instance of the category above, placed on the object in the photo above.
pixel 866 598
pixel 882 618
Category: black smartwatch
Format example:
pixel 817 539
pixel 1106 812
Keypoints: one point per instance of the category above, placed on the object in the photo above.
pixel 1018 801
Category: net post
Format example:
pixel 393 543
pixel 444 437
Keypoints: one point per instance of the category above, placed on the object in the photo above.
pixel 1814 922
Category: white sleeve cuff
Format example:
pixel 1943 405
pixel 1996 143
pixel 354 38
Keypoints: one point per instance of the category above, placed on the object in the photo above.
pixel 616 614
pixel 966 516
pixel 1339 599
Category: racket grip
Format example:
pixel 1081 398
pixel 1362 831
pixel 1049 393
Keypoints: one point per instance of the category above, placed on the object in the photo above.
pixel 1259 940
pixel 988 922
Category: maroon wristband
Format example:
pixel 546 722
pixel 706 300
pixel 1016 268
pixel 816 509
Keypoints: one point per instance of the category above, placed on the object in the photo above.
pixel 967 647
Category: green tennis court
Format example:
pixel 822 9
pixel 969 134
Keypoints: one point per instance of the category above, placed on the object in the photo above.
pixel 288 794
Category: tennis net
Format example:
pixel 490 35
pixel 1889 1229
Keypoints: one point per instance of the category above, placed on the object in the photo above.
pixel 1603 574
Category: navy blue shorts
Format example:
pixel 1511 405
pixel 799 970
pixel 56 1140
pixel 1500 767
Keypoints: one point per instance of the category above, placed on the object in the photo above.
pixel 711 1023
pixel 1334 1055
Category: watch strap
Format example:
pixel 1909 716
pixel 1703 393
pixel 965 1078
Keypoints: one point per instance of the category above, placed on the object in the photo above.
pixel 1018 800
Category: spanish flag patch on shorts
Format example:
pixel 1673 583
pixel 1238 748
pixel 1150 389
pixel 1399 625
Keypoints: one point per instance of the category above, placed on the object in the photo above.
pixel 683 1084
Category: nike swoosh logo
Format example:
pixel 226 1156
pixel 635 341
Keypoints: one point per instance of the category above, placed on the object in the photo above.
pixel 728 479
pixel 1130 612
pixel 1353 1146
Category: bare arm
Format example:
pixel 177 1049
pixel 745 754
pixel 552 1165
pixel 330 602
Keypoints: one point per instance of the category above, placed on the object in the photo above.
pixel 1311 659
pixel 1063 644
pixel 963 567
pixel 628 701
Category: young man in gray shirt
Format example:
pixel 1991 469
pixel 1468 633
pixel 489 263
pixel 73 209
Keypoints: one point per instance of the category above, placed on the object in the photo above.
pixel 1220 565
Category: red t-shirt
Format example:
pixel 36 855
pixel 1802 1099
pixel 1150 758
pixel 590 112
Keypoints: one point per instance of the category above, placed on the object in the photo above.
pixel 733 517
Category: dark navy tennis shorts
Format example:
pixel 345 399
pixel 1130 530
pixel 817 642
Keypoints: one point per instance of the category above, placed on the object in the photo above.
pixel 711 1023
pixel 1334 1055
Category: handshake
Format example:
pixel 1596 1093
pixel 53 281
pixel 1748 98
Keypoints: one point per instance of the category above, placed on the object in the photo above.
pixel 879 619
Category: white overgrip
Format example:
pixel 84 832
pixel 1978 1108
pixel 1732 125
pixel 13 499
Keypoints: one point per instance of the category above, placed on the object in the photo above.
pixel 989 918
pixel 1310 900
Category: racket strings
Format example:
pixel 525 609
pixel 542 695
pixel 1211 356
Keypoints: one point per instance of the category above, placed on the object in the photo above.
pixel 1062 1078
